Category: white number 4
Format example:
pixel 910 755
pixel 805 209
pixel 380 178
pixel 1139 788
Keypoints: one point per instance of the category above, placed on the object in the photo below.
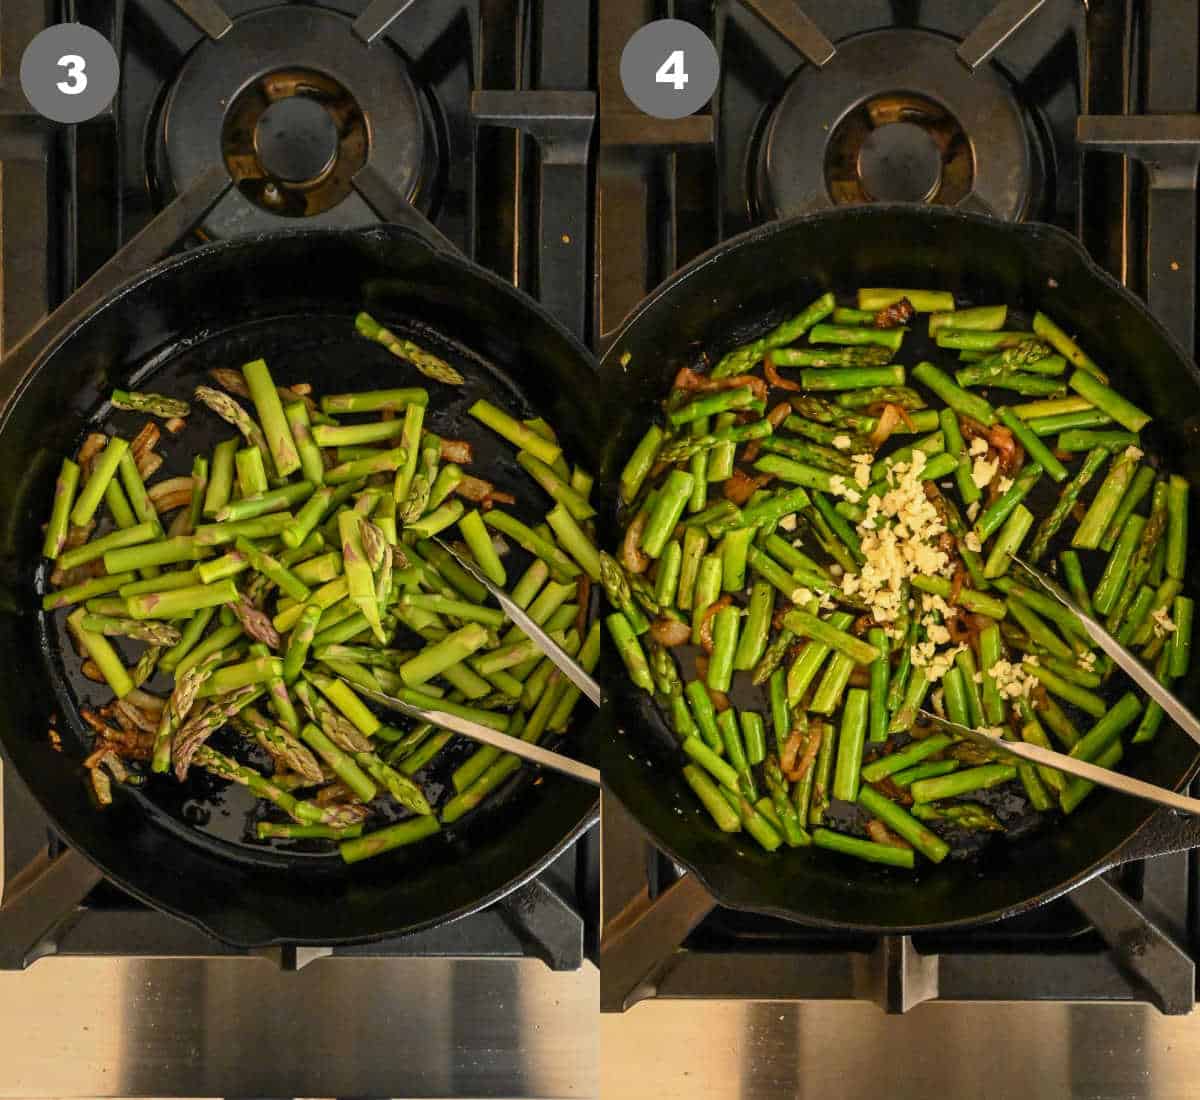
pixel 672 72
pixel 76 80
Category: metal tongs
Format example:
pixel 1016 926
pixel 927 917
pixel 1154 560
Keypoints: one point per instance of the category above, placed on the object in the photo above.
pixel 1139 673
pixel 1130 665
pixel 567 664
pixel 488 736
pixel 1047 758
pixel 535 754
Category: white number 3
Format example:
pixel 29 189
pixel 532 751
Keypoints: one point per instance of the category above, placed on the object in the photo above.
pixel 76 80
pixel 672 72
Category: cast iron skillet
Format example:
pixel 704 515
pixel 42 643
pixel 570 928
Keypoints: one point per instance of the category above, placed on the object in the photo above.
pixel 730 295
pixel 291 298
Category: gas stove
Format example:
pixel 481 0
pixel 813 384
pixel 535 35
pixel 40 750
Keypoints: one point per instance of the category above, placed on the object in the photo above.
pixel 1082 115
pixel 472 121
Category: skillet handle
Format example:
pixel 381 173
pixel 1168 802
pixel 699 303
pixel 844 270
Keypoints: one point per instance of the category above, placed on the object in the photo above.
pixel 1167 831
pixel 1143 947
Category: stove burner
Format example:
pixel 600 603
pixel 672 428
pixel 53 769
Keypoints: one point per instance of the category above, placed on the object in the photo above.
pixel 860 131
pixel 295 104
pixel 293 141
pixel 899 148
pixel 296 139
pixel 900 163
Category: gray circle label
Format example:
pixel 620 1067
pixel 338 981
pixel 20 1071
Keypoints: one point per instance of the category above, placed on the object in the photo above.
pixel 69 73
pixel 669 68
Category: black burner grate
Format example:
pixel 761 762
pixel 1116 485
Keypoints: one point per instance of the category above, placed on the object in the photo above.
pixel 295 104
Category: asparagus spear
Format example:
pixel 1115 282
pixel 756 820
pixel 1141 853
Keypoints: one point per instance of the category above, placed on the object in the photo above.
pixel 374 400
pixel 863 849
pixel 743 358
pixel 306 813
pixel 929 844
pixel 1050 526
pixel 861 356
pixel 426 362
pixel 232 413
pixel 195 731
pixel 104 469
pixel 64 499
pixel 154 404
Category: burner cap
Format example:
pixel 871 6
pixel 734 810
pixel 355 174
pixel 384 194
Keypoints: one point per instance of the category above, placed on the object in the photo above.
pixel 900 163
pixel 294 104
pixel 894 116
pixel 296 139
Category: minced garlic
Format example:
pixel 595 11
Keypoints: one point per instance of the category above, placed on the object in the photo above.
pixel 898 538
pixel 1012 681
pixel 983 471
pixel 1163 623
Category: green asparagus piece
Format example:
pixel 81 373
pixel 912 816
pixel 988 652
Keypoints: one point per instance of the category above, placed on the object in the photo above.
pixel 1124 412
pixel 890 338
pixel 1177 526
pixel 64 499
pixel 1063 344
pixel 929 844
pixel 960 400
pixel 923 301
pixel 374 401
pixel 742 359
pixel 1180 649
pixel 755 823
pixel 999 510
pixel 863 849
pixel 1077 439
pixel 725 635
pixel 755 632
pixel 1085 700
pixel 426 362
pixel 963 782
pixel 640 463
pixel 862 356
pixel 560 565
pixel 1108 590
pixel 853 378
pixel 385 840
pixel 1008 542
pixel 1065 422
pixel 1070 493
pixel 630 650
pixel 153 404
pixel 927 770
pixel 807 625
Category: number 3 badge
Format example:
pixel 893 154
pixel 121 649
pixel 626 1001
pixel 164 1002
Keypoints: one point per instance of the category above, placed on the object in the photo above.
pixel 69 73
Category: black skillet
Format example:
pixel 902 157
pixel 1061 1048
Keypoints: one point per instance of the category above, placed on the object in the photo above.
pixel 736 291
pixel 289 297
